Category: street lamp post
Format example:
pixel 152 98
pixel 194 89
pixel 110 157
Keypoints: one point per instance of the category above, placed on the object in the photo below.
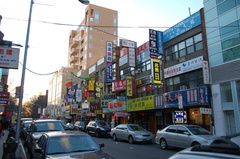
pixel 23 72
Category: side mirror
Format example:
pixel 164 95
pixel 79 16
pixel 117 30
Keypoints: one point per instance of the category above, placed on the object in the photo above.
pixel 38 150
pixel 102 145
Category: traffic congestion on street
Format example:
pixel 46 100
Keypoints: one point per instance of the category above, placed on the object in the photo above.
pixel 48 138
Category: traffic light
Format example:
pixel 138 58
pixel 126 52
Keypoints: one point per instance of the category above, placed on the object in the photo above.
pixel 103 115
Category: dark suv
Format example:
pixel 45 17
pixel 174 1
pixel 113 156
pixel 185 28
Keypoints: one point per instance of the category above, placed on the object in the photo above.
pixel 98 127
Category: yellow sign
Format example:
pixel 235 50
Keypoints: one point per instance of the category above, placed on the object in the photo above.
pixel 91 85
pixel 90 99
pixel 98 111
pixel 129 86
pixel 143 103
pixel 156 71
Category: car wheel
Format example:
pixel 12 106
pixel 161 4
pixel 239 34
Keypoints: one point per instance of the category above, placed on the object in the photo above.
pixel 115 137
pixel 88 132
pixel 97 133
pixel 195 144
pixel 163 144
pixel 130 140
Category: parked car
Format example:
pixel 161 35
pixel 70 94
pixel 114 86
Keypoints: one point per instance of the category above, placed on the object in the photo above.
pixel 220 148
pixel 183 136
pixel 69 126
pixel 25 125
pixel 131 133
pixel 63 123
pixel 68 144
pixel 98 128
pixel 38 127
pixel 80 125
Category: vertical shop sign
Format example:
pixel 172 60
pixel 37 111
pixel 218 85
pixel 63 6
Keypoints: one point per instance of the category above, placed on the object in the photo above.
pixel 206 78
pixel 109 51
pixel 78 94
pixel 91 85
pixel 155 42
pixel 156 71
pixel 129 86
pixel 109 72
pixel 131 57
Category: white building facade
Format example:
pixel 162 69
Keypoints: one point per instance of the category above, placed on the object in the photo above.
pixel 222 19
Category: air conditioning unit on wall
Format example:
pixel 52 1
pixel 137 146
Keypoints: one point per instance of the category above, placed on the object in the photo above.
pixel 183 87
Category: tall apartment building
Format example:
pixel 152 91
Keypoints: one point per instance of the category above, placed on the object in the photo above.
pixel 87 44
pixel 222 19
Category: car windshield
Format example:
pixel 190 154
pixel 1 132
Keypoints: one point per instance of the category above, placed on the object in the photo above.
pixel 48 126
pixel 197 130
pixel 74 143
pixel 135 128
pixel 102 124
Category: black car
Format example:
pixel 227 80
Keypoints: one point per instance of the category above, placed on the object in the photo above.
pixel 80 125
pixel 37 128
pixel 68 144
pixel 98 128
pixel 25 125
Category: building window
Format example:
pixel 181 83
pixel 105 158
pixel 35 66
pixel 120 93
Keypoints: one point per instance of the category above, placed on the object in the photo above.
pixel 89 54
pixel 115 33
pixel 226 6
pixel 188 80
pixel 96 19
pixel 90 36
pixel 91 28
pixel 184 48
pixel 129 71
pixel 226 95
pixel 238 92
pixel 90 45
pixel 115 20
pixel 114 41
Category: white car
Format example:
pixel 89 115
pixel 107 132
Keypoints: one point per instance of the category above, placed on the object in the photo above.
pixel 183 136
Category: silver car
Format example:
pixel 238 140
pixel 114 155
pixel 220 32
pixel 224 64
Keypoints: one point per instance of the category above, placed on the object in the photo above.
pixel 220 148
pixel 183 136
pixel 131 133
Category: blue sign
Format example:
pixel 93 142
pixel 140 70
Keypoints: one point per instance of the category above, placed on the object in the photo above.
pixel 179 117
pixel 155 43
pixel 144 56
pixel 109 73
pixel 195 96
pixel 182 27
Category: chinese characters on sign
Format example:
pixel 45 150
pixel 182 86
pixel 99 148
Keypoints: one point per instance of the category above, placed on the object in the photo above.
pixel 109 51
pixel 156 71
pixel 9 57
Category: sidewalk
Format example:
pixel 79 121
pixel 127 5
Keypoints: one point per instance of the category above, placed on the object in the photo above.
pixel 2 140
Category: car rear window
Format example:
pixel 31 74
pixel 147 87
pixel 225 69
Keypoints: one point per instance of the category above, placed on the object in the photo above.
pixel 48 126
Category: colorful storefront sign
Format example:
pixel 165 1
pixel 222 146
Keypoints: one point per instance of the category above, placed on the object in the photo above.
pixel 105 98
pixel 143 103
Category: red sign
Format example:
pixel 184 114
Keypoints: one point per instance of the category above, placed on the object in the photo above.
pixel 142 48
pixel 4 94
pixel 119 85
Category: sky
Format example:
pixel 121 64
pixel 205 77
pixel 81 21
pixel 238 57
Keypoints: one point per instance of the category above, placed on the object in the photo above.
pixel 48 42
